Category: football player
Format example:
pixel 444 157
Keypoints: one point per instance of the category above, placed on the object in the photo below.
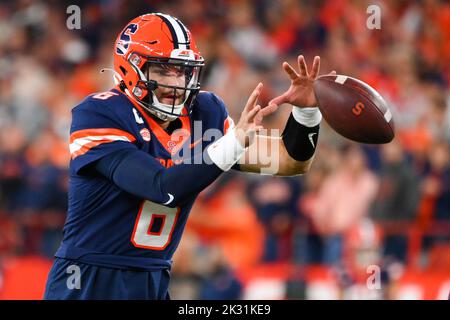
pixel 129 196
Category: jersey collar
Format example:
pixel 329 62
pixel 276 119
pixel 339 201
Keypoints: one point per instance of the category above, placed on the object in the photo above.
pixel 172 143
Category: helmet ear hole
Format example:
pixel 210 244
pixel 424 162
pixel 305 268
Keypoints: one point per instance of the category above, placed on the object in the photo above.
pixel 124 71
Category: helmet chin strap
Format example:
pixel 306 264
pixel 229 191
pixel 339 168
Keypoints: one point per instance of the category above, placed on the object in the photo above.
pixel 118 80
pixel 161 116
pixel 178 107
pixel 159 105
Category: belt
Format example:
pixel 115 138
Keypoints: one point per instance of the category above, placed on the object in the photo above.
pixel 92 257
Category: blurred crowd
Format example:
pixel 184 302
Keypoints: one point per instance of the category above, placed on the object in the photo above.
pixel 252 236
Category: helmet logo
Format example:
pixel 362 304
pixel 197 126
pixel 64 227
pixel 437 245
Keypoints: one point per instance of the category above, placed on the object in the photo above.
pixel 182 54
pixel 124 41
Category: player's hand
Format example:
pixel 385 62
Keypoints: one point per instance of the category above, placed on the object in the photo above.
pixel 251 118
pixel 300 93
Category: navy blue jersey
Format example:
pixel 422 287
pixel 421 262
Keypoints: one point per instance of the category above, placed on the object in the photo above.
pixel 104 221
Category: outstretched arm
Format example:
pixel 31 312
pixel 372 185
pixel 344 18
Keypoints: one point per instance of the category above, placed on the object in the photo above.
pixel 140 174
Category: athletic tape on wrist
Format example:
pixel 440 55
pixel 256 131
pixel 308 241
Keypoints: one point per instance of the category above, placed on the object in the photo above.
pixel 226 151
pixel 309 117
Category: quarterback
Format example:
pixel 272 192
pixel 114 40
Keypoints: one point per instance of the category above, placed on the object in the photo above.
pixel 132 184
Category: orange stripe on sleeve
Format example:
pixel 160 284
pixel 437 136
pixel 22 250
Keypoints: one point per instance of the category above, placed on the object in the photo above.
pixel 83 140
pixel 85 148
pixel 101 132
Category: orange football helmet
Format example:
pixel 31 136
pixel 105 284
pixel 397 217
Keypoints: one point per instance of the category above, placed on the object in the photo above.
pixel 161 40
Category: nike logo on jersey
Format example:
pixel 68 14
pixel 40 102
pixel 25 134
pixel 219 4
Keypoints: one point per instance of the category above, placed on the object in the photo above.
pixel 171 197
pixel 310 136
pixel 138 119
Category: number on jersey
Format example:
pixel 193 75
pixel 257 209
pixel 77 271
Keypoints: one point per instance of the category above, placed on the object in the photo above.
pixel 149 214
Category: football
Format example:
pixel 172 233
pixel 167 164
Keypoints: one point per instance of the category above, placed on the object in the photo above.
pixel 354 109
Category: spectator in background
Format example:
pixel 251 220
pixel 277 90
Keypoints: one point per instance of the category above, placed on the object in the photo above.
pixel 41 200
pixel 203 272
pixel 275 199
pixel 435 202
pixel 219 282
pixel 12 166
pixel 12 171
pixel 435 194
pixel 439 115
pixel 343 199
pixel 222 216
pixel 397 199
pixel 309 246
pixel 439 178
pixel 248 38
pixel 186 280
